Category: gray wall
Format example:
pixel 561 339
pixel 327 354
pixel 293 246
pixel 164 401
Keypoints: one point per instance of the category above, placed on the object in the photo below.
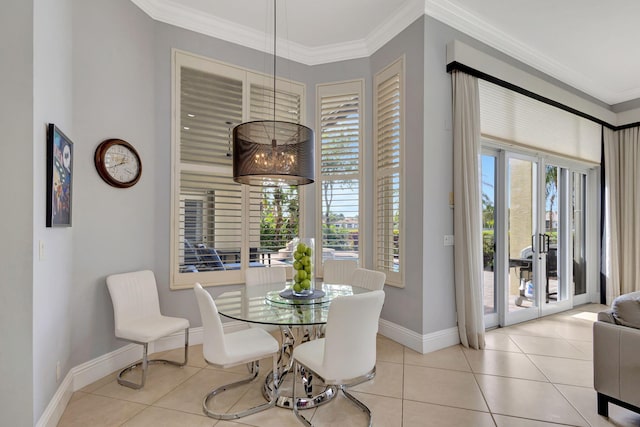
pixel 403 306
pixel 52 275
pixel 16 189
pixel 114 229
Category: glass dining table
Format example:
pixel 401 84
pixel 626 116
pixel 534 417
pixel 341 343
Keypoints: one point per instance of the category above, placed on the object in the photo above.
pixel 299 319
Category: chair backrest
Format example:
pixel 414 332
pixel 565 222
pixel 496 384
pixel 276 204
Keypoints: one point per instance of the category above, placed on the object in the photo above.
pixel 338 271
pixel 369 279
pixel 350 336
pixel 213 344
pixel 265 276
pixel 134 296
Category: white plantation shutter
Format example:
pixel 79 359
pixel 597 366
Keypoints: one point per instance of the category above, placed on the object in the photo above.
pixel 287 104
pixel 388 116
pixel 210 104
pixel 339 159
pixel 274 211
pixel 274 216
pixel 210 215
pixel 219 226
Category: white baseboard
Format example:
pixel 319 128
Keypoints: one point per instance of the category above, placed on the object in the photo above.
pixel 82 375
pixel 58 403
pixel 415 341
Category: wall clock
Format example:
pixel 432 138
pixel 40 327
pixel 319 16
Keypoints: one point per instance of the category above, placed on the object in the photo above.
pixel 118 163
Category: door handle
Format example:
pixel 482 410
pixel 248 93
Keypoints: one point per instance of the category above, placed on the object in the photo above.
pixel 533 246
pixel 543 243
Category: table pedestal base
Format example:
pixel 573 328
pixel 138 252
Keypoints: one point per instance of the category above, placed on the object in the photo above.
pixel 304 402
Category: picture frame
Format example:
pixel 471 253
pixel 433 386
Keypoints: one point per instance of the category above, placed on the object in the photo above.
pixel 59 177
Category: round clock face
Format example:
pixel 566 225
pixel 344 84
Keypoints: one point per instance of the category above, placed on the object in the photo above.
pixel 118 163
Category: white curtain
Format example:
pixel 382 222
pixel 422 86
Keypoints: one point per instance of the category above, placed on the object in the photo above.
pixel 622 211
pixel 467 219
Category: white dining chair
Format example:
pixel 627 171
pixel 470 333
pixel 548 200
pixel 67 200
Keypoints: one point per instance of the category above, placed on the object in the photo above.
pixel 338 271
pixel 136 312
pixel 222 350
pixel 347 354
pixel 263 276
pixel 368 279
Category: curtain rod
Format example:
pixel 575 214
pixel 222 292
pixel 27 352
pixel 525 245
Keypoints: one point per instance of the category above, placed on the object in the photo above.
pixel 491 79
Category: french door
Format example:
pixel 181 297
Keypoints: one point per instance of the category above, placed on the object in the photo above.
pixel 534 235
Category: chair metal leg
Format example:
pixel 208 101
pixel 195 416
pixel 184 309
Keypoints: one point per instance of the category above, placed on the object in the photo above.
pixel 145 364
pixel 232 416
pixel 300 402
pixel 358 403
pixel 296 401
pixel 366 377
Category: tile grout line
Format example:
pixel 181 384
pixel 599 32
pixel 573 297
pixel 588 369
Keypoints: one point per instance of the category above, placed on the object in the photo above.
pixel 475 379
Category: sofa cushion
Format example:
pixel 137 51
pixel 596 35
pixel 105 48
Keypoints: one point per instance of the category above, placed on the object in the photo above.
pixel 626 310
pixel 606 316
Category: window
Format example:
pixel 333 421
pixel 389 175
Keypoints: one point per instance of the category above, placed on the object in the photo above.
pixel 220 227
pixel 389 142
pixel 338 168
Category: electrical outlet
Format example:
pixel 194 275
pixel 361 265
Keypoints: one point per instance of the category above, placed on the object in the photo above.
pixel 448 240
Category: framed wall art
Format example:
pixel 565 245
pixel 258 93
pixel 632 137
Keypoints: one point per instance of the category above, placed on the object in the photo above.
pixel 59 177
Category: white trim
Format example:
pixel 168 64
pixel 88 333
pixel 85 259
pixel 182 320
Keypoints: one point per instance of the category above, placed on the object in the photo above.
pixel 82 375
pixel 462 20
pixel 58 403
pixel 415 341
pixel 170 12
pixel 471 57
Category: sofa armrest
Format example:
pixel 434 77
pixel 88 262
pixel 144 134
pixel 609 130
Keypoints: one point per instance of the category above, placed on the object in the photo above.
pixel 606 359
pixel 606 316
pixel 616 365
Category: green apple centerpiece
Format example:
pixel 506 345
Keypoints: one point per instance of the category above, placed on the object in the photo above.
pixel 303 267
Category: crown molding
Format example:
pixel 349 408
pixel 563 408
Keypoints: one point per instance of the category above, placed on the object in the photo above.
pixel 446 11
pixel 461 19
pixel 394 24
pixel 172 13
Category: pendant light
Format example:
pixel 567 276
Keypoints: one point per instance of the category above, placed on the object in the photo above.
pixel 273 152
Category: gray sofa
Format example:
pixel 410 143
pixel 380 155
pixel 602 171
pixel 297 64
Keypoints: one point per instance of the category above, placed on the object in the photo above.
pixel 616 354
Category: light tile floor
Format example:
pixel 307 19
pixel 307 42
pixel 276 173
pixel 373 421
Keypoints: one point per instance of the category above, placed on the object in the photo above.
pixel 534 374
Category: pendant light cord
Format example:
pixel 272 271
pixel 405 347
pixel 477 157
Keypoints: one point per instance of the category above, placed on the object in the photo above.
pixel 275 2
